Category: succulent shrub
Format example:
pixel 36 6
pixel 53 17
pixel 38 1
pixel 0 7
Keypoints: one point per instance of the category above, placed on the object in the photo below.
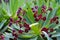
pixel 29 20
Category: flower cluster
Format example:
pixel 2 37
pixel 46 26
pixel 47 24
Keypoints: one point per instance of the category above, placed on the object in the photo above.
pixel 47 30
pixel 54 20
pixel 21 22
pixel 43 11
pixel 40 16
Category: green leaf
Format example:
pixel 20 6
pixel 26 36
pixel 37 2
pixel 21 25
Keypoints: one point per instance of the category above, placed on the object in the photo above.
pixel 40 3
pixel 8 35
pixel 5 13
pixel 56 34
pixel 39 10
pixel 53 25
pixel 35 27
pixel 3 4
pixel 14 5
pixel 4 29
pixel 53 13
pixel 27 19
pixel 29 14
pixel 27 36
pixel 2 23
pixel 15 26
pixel 57 26
pixel 6 38
pixel 35 38
pixel 58 1
pixel 39 38
pixel 46 23
pixel 58 38
pixel 58 12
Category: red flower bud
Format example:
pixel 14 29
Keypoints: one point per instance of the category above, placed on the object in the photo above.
pixel 50 9
pixel 13 31
pixel 43 10
pixel 57 22
pixel 44 7
pixel 40 16
pixel 45 29
pixel 51 29
pixel 36 7
pixel 26 25
pixel 24 20
pixel 37 19
pixel 16 35
pixel 26 30
pixel 10 24
pixel 20 31
pixel 18 12
pixel 51 21
pixel 17 21
pixel 44 18
pixel 20 17
pixel 15 38
pixel 32 8
pixel 21 25
pixel 11 19
pixel 54 19
pixel 35 14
